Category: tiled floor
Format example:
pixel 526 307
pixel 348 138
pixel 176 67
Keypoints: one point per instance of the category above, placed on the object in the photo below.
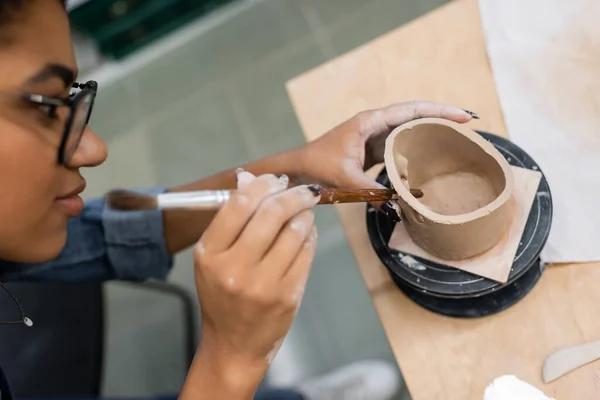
pixel 215 102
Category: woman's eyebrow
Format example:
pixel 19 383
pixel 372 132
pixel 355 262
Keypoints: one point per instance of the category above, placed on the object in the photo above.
pixel 50 71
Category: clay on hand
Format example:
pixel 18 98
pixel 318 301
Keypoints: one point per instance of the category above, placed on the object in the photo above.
pixel 252 265
pixel 467 186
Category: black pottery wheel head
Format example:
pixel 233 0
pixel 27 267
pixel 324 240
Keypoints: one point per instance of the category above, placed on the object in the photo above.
pixel 440 286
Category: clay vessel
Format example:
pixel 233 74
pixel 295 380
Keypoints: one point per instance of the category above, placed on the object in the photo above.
pixel 467 184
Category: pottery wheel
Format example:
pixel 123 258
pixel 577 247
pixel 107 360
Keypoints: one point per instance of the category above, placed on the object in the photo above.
pixel 452 292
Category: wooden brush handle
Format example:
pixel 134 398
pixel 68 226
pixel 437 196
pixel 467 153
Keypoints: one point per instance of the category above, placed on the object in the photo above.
pixel 335 196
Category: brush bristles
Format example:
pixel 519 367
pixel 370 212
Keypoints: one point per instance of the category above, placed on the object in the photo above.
pixel 125 200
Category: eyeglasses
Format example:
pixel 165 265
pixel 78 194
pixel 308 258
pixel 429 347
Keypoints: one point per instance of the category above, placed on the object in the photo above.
pixel 80 104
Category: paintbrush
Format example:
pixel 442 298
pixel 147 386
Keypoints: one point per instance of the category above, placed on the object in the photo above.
pixel 126 200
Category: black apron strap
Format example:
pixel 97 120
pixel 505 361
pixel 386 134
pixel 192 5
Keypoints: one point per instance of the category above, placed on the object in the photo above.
pixel 5 393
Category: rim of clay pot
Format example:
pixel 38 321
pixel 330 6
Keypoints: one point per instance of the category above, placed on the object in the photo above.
pixel 484 145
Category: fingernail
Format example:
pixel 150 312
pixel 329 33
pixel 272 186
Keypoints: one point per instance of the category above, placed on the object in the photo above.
pixel 283 179
pixel 239 171
pixel 315 189
pixel 391 212
pixel 471 113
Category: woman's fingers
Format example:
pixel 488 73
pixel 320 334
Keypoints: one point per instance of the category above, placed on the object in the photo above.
pixel 294 281
pixel 235 213
pixel 244 178
pixel 397 114
pixel 288 244
pixel 388 118
pixel 270 218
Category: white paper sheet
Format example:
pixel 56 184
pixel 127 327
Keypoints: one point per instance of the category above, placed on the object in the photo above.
pixel 545 57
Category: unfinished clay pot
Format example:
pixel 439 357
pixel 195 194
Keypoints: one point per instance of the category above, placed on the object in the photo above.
pixel 467 185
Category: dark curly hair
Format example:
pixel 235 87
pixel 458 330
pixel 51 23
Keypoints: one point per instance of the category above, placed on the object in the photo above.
pixel 10 8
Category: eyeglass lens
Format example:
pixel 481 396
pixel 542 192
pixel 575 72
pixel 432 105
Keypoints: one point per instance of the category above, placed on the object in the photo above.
pixel 79 121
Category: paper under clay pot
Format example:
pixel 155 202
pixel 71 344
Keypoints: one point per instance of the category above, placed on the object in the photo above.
pixel 467 184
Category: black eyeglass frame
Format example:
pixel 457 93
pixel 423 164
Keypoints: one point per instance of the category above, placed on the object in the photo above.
pixel 89 88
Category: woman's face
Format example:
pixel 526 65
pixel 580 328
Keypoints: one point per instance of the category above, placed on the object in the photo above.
pixel 38 195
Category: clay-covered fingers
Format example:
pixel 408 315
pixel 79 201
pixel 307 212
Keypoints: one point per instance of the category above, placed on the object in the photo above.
pixel 231 219
pixel 288 244
pixel 244 178
pixel 388 118
pixel 270 218
pixel 397 114
pixel 294 281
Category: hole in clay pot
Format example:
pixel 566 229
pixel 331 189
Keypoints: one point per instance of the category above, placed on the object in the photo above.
pixel 455 174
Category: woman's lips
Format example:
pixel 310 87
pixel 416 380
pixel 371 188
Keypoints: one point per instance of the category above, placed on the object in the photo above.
pixel 72 203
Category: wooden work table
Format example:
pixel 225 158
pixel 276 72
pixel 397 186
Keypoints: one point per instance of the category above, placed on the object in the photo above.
pixel 442 57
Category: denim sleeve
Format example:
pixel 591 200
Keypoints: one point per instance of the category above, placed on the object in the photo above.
pixel 103 244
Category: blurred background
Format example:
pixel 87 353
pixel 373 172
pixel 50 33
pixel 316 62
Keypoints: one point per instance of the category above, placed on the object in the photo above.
pixel 192 87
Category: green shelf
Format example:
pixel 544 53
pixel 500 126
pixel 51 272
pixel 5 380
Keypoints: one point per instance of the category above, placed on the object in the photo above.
pixel 120 27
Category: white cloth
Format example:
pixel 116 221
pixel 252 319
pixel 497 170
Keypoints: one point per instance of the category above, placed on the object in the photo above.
pixel 509 387
pixel 545 57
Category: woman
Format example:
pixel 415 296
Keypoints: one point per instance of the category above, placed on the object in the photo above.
pixel 252 258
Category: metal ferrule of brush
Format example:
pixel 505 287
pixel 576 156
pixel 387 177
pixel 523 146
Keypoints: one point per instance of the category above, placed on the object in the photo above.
pixel 206 199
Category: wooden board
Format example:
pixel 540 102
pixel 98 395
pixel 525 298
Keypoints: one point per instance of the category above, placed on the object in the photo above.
pixel 441 57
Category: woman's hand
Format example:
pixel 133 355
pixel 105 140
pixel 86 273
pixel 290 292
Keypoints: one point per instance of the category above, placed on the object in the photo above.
pixel 251 265
pixel 340 157
pixel 337 159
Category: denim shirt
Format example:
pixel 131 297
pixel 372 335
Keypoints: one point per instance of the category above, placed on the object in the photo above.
pixel 104 244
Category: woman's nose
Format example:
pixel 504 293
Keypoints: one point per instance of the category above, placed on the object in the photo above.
pixel 91 151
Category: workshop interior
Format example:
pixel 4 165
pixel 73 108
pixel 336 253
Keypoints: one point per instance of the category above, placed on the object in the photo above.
pixel 188 88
